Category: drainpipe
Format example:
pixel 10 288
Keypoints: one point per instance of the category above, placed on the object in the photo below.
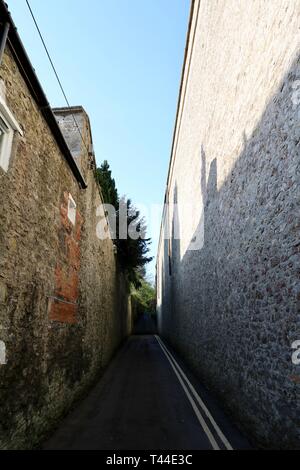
pixel 3 40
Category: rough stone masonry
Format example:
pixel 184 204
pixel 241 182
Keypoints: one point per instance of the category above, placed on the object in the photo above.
pixel 63 303
pixel 228 283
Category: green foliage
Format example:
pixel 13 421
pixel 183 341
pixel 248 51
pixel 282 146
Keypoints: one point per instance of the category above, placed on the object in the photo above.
pixel 108 185
pixel 131 252
pixel 144 297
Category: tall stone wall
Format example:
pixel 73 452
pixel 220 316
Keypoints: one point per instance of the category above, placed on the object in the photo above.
pixel 63 304
pixel 228 285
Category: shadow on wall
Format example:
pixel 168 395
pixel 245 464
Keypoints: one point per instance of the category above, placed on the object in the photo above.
pixel 233 303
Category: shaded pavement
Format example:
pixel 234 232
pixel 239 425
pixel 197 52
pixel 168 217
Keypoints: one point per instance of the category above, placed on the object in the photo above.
pixel 140 403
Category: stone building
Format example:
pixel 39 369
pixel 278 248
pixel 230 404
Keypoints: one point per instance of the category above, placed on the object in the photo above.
pixel 63 304
pixel 228 290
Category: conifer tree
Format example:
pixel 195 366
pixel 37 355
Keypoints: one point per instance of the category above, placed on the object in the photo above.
pixel 131 252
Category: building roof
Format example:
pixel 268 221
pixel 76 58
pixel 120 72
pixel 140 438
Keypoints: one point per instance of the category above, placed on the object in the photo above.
pixel 28 73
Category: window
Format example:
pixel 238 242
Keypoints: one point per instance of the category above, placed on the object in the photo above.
pixel 8 125
pixel 71 210
pixel 6 137
pixel 2 353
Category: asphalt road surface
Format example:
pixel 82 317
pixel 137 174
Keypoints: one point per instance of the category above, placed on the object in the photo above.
pixel 146 400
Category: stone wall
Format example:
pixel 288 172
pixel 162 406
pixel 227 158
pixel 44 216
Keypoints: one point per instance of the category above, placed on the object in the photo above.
pixel 228 289
pixel 63 304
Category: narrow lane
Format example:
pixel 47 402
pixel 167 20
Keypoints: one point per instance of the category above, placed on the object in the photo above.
pixel 145 401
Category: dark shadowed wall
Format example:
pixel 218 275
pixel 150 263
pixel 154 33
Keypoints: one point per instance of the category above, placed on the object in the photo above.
pixel 228 286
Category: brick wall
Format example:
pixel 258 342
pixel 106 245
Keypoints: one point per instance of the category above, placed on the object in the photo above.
pixel 231 306
pixel 63 304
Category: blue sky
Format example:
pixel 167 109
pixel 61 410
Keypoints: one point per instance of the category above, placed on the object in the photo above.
pixel 121 60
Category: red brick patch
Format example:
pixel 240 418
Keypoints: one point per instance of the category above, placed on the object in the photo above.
pixel 63 307
pixel 61 311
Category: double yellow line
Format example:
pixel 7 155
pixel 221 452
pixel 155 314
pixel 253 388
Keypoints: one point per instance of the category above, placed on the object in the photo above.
pixel 190 393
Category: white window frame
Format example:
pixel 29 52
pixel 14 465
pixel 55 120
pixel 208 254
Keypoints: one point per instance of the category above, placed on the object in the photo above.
pixel 2 353
pixel 71 209
pixel 8 126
